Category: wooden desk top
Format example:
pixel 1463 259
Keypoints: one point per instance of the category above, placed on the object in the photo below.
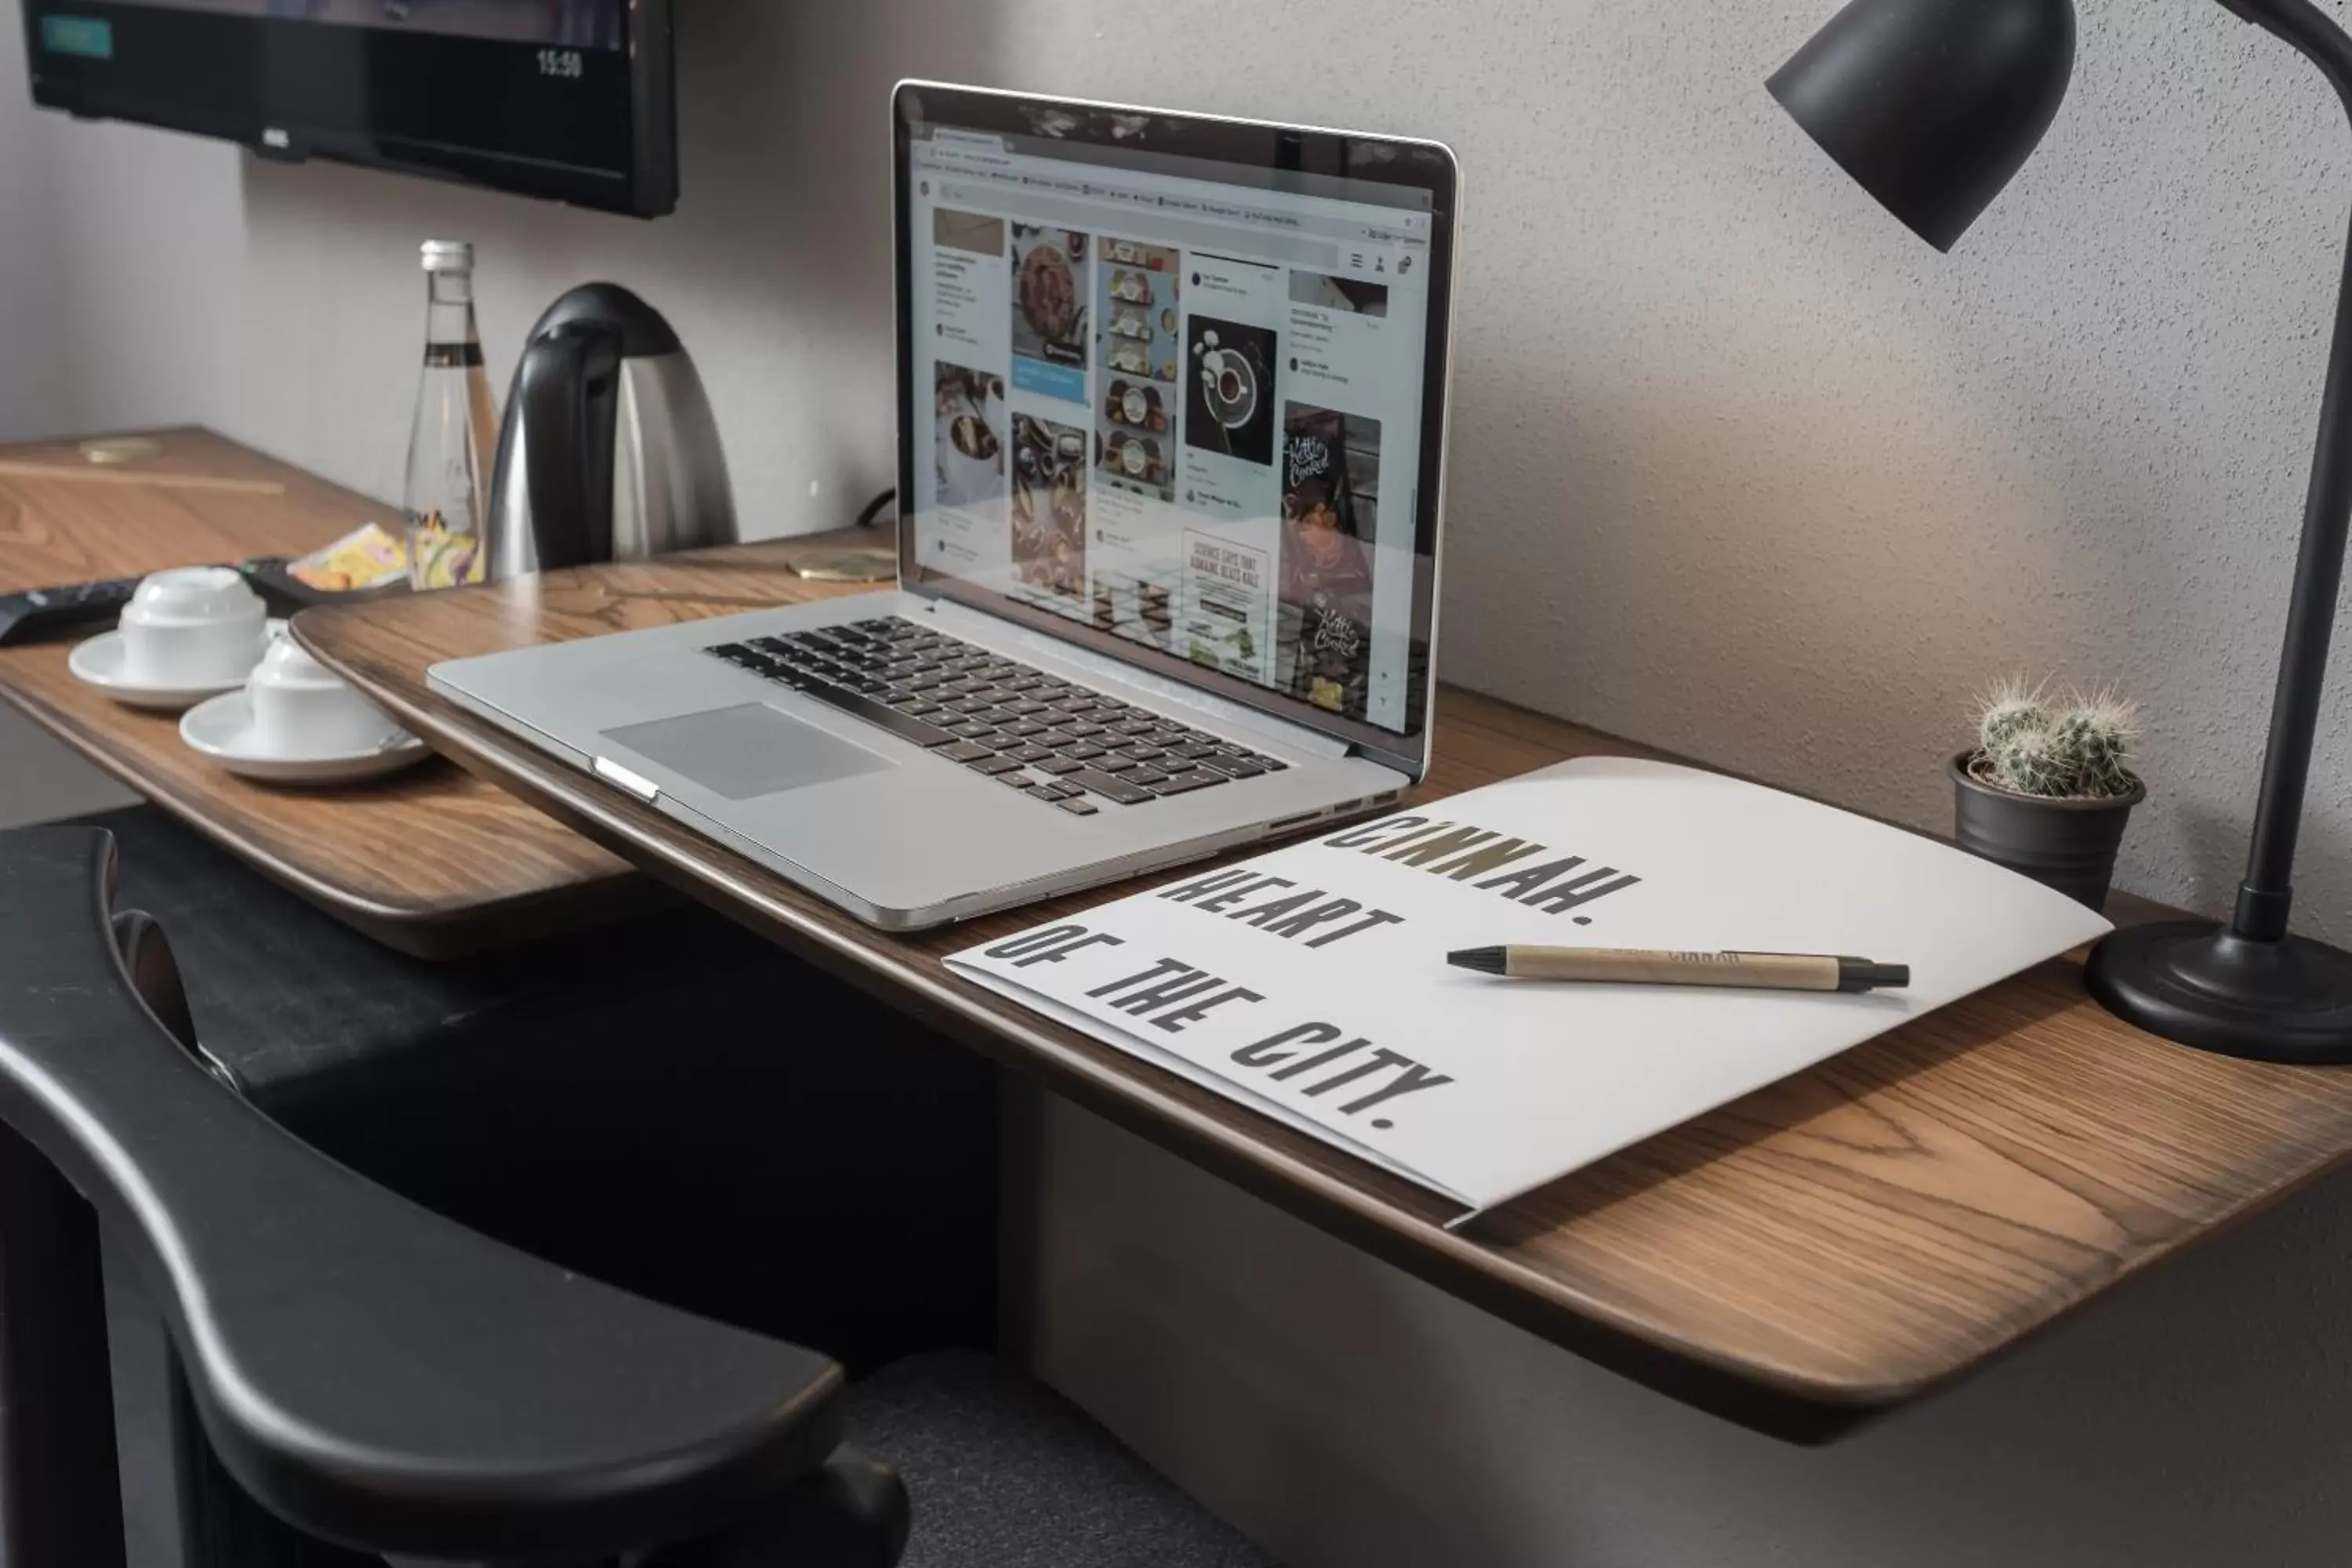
pixel 431 861
pixel 1828 1248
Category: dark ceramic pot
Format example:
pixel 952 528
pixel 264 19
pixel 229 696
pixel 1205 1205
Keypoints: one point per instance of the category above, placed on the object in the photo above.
pixel 2069 845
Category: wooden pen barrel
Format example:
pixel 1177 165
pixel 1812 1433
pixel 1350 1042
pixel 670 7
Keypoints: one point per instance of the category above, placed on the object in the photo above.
pixel 1772 971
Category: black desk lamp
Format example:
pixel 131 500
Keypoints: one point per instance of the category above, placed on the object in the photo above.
pixel 1932 105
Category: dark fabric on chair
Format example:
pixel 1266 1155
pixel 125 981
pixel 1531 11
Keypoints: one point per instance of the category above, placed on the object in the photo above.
pixel 287 994
pixel 669 1104
pixel 1005 1473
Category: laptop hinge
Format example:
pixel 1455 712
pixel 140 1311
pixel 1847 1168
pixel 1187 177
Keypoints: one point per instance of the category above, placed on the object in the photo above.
pixel 1162 690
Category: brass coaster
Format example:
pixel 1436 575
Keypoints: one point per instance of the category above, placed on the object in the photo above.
pixel 111 449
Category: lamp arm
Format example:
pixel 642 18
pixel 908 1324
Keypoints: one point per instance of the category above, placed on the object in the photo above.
pixel 2310 30
pixel 2265 895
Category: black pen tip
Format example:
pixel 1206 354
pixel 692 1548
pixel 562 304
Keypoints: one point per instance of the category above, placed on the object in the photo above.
pixel 1860 974
pixel 1485 960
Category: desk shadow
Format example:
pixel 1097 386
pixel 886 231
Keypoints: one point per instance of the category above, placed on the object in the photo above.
pixel 1299 1386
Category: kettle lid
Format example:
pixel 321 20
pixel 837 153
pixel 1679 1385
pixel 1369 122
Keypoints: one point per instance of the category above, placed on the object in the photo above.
pixel 642 332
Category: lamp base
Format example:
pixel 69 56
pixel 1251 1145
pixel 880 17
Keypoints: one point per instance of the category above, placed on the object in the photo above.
pixel 2195 983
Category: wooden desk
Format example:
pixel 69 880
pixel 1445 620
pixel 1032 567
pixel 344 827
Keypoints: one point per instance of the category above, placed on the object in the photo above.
pixel 1836 1244
pixel 432 862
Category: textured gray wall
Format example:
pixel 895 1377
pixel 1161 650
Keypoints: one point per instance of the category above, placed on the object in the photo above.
pixel 1740 469
pixel 32 340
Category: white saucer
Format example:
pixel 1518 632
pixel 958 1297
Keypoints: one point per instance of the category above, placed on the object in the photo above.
pixel 222 730
pixel 98 661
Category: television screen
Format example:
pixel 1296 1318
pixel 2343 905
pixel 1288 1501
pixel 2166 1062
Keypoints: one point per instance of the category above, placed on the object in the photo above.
pixel 568 98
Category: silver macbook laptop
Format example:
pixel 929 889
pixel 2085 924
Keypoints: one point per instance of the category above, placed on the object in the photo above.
pixel 1171 436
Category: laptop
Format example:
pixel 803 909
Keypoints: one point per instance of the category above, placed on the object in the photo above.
pixel 1171 435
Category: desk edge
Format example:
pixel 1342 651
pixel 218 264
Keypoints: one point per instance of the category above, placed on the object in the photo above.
pixel 433 934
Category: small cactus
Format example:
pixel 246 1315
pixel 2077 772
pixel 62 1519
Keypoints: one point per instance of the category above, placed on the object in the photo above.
pixel 2031 762
pixel 2076 747
pixel 2011 708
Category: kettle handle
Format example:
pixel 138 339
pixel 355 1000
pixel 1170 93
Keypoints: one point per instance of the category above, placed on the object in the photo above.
pixel 567 392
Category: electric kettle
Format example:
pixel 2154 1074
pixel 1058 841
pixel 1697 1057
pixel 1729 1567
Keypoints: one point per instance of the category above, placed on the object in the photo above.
pixel 609 451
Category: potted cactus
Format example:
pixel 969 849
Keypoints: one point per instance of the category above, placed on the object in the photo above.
pixel 2048 786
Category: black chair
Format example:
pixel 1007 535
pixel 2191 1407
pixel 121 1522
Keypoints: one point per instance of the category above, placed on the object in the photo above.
pixel 384 1379
pixel 668 1103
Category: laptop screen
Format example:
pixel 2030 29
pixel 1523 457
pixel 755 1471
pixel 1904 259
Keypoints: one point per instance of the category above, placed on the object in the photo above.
pixel 1177 385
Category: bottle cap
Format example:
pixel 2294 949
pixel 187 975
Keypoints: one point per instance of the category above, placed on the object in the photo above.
pixel 448 255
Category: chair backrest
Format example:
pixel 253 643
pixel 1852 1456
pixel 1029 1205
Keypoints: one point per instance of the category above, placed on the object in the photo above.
pixel 372 1372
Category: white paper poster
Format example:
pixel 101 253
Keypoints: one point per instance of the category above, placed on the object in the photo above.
pixel 1311 982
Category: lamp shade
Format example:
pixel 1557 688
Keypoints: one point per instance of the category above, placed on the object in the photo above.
pixel 1931 105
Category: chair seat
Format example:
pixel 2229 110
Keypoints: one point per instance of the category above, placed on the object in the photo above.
pixel 1005 1473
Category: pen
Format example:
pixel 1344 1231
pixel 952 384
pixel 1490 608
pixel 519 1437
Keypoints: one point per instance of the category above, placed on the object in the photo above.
pixel 1637 966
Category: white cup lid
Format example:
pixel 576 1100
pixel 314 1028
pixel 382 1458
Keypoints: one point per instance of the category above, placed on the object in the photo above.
pixel 194 593
pixel 288 663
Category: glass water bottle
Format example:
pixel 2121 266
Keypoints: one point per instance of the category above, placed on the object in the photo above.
pixel 454 439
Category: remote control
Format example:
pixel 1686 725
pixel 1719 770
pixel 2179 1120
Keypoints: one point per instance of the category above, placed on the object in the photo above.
pixel 39 614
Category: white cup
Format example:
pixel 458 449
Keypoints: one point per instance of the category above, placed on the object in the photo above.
pixel 300 708
pixel 193 626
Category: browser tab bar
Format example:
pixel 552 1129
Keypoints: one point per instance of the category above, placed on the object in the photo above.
pixel 968 150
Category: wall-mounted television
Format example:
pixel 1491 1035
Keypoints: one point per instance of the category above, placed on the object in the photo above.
pixel 566 99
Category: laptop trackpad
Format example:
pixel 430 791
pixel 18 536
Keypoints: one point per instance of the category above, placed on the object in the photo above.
pixel 751 750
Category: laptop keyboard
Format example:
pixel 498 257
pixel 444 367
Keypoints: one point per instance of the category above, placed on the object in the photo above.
pixel 1058 741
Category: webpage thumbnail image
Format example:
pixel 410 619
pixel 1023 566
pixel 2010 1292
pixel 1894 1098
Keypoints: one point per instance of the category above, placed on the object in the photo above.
pixel 1226 601
pixel 1330 500
pixel 1049 313
pixel 1140 343
pixel 968 436
pixel 1353 296
pixel 1049 510
pixel 1229 395
pixel 973 232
